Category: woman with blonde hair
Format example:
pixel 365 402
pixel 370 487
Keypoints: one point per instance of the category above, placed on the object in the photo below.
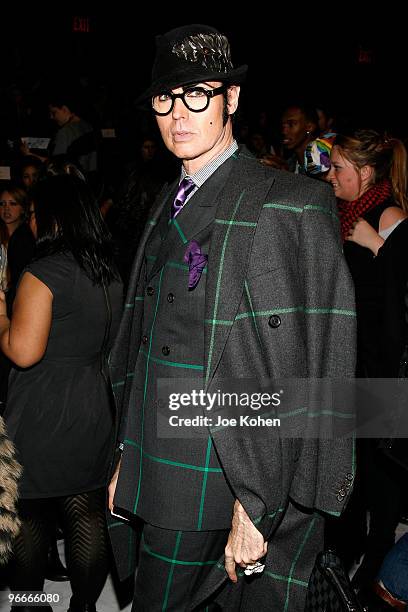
pixel 369 172
pixel 369 177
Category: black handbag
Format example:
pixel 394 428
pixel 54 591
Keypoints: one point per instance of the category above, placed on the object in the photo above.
pixel 329 588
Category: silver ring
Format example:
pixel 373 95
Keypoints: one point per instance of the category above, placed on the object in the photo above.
pixel 254 568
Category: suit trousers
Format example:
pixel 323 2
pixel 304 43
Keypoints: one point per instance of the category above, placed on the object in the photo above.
pixel 173 565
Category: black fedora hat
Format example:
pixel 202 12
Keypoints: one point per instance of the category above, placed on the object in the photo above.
pixel 192 54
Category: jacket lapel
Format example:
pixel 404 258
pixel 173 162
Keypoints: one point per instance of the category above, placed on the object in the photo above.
pixel 195 218
pixel 196 215
pixel 237 215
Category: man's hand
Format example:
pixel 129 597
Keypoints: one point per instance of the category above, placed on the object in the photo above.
pixel 245 543
pixel 112 487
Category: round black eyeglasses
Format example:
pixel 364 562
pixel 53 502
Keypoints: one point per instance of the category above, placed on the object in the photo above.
pixel 196 99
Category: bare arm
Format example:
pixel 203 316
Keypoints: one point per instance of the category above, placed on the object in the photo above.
pixel 390 216
pixel 24 339
pixel 24 150
pixel 365 235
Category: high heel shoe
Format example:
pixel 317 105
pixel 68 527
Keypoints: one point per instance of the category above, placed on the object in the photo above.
pixel 55 571
pixel 75 606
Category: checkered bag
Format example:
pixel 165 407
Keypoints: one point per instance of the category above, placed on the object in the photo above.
pixel 329 587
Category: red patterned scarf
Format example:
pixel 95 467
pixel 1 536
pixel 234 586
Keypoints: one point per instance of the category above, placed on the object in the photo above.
pixel 349 212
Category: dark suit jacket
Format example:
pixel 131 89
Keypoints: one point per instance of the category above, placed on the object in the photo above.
pixel 275 252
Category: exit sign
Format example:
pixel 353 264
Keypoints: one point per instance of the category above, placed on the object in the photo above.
pixel 81 24
pixel 365 55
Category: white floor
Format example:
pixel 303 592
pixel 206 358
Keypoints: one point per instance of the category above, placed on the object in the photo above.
pixel 107 602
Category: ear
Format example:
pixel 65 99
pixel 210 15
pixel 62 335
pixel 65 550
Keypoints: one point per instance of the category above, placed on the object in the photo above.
pixel 367 174
pixel 233 97
pixel 65 108
pixel 310 127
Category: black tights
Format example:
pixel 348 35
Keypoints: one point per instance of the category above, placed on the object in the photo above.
pixel 84 521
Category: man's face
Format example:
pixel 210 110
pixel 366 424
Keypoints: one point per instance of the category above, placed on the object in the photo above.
pixel 198 137
pixel 60 114
pixel 149 150
pixel 325 122
pixel 295 128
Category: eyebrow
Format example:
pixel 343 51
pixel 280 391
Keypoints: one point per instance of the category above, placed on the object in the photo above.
pixel 199 84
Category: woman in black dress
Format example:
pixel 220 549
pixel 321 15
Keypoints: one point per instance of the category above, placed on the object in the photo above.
pixel 369 176
pixel 59 411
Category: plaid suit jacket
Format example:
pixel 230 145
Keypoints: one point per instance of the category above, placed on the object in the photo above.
pixel 275 251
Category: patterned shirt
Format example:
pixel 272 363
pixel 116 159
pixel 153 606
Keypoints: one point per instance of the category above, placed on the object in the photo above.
pixel 208 170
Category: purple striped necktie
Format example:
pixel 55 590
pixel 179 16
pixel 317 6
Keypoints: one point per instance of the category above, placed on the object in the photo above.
pixel 185 188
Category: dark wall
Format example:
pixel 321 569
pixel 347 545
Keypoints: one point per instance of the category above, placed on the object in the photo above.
pixel 289 55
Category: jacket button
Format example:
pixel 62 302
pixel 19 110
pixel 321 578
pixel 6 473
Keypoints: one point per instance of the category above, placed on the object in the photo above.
pixel 170 298
pixel 144 339
pixel 166 350
pixel 350 477
pixel 150 291
pixel 274 321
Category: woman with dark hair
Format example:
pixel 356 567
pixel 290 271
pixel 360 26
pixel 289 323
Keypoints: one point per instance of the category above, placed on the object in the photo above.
pixel 59 411
pixel 30 170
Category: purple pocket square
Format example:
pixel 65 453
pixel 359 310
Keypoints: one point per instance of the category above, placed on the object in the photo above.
pixel 196 261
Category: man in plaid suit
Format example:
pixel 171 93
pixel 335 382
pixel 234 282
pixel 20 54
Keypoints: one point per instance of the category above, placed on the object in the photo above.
pixel 239 274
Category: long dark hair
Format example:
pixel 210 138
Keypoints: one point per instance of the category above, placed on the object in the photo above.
pixel 68 221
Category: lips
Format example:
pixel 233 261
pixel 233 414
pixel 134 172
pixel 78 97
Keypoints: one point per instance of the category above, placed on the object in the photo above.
pixel 182 136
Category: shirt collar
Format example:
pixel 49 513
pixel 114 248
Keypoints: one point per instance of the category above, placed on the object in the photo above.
pixel 208 170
